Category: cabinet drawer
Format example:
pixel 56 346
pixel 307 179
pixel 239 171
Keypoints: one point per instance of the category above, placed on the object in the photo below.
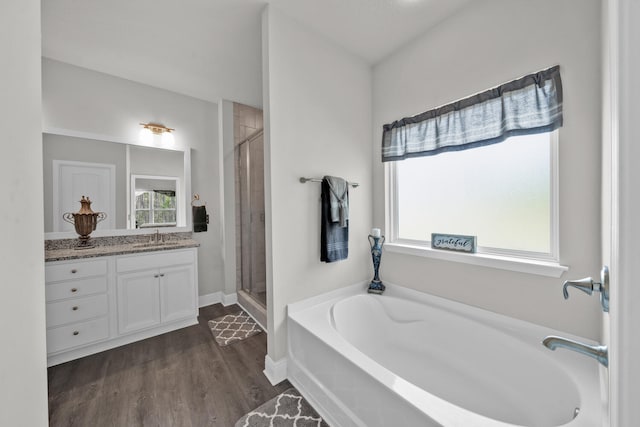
pixel 75 288
pixel 75 270
pixel 77 334
pixel 154 260
pixel 76 310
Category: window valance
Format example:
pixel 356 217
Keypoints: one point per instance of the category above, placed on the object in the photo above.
pixel 528 105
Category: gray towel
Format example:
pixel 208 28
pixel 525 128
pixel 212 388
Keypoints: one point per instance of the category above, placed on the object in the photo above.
pixel 339 199
pixel 334 240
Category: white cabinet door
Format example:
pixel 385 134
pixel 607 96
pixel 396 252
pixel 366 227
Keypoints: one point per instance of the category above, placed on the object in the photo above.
pixel 177 293
pixel 138 300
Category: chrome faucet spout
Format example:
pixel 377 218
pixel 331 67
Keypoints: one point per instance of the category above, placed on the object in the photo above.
pixel 598 352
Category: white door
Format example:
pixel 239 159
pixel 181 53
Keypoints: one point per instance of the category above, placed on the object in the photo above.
pixel 72 180
pixel 138 297
pixel 177 293
pixel 621 205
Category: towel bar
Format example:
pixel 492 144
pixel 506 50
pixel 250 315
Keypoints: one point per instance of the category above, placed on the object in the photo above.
pixel 304 180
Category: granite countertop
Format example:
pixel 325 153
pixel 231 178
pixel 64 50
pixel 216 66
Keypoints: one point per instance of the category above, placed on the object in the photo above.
pixel 63 250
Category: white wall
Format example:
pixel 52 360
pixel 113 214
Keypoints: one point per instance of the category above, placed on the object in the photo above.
pixel 23 374
pixel 88 101
pixel 317 101
pixel 487 43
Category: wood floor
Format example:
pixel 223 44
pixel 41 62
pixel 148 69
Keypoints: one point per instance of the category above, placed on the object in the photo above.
pixel 181 379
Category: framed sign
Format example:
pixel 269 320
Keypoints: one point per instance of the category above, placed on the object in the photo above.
pixel 453 242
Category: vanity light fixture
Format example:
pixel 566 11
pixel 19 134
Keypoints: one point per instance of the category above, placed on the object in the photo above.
pixel 150 129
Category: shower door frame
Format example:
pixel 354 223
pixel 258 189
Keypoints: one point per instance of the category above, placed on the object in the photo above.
pixel 250 291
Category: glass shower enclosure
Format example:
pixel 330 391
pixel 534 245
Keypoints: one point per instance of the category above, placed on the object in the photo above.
pixel 250 217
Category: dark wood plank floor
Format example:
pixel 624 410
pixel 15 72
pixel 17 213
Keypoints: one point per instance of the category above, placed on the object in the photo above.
pixel 181 379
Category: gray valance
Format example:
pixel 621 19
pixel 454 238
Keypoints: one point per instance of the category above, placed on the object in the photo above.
pixel 528 105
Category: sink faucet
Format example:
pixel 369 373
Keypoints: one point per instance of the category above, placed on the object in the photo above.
pixel 598 352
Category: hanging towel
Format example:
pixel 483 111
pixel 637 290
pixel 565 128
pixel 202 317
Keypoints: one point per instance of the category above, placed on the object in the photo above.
pixel 334 239
pixel 200 218
pixel 339 198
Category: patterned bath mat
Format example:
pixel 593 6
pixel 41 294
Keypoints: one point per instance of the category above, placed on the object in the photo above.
pixel 288 409
pixel 233 327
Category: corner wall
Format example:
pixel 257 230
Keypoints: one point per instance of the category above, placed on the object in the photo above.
pixel 83 100
pixel 23 372
pixel 317 101
pixel 487 43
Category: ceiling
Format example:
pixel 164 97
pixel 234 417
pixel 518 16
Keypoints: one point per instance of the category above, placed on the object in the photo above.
pixel 211 49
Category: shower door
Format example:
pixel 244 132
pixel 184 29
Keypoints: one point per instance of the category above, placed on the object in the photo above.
pixel 250 183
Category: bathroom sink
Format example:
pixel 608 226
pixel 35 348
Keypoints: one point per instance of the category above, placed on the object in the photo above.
pixel 155 244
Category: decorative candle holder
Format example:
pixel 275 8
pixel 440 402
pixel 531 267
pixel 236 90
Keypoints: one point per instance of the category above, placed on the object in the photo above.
pixel 85 221
pixel 376 242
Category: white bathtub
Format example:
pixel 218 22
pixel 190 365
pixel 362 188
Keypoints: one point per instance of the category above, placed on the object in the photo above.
pixel 411 359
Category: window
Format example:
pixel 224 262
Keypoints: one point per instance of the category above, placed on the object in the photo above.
pixel 485 165
pixel 505 194
pixel 155 208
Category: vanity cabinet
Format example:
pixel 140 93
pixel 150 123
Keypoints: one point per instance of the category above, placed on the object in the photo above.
pixel 138 301
pixel 77 304
pixel 155 289
pixel 100 303
pixel 177 300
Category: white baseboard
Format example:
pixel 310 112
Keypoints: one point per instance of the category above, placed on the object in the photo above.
pixel 276 372
pixel 217 297
pixel 229 299
pixel 208 299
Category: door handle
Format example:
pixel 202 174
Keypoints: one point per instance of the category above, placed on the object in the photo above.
pixel 588 286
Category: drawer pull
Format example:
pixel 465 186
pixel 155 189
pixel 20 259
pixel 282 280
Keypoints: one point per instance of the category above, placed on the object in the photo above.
pixel 74 271
pixel 74 308
pixel 75 332
pixel 155 275
pixel 74 290
pixel 162 275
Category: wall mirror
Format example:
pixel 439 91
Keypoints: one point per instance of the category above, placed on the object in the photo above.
pixel 138 187
pixel 154 201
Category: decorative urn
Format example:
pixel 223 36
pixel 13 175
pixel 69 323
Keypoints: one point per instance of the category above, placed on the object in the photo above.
pixel 85 221
pixel 376 240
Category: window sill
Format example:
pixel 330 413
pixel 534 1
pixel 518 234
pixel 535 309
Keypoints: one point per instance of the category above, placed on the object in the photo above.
pixel 531 266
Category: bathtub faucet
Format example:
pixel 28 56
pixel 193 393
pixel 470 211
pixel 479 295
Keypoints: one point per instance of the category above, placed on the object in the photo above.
pixel 598 352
